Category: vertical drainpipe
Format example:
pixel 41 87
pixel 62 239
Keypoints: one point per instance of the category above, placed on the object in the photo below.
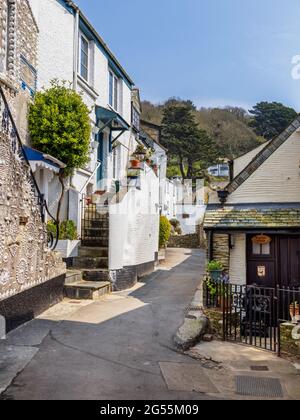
pixel 76 48
pixel 75 69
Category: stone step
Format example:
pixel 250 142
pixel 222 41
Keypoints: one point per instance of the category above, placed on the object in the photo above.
pixel 96 233
pixel 90 262
pixel 72 276
pixel 83 290
pixel 95 242
pixel 95 275
pixel 98 224
pixel 85 251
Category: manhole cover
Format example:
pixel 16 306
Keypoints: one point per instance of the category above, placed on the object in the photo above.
pixel 259 387
pixel 260 368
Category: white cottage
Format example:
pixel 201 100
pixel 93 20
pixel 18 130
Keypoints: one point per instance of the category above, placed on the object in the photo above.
pixel 127 230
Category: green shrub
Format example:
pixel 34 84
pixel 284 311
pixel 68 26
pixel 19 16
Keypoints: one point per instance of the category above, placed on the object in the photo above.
pixel 67 230
pixel 164 232
pixel 175 223
pixel 214 266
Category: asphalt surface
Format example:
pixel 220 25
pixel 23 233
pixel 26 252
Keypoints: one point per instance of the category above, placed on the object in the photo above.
pixel 115 348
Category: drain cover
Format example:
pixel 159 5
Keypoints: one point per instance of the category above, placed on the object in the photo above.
pixel 260 368
pixel 259 387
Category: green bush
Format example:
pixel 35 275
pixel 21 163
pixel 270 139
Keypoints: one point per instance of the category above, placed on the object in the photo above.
pixel 175 223
pixel 164 232
pixel 215 266
pixel 67 230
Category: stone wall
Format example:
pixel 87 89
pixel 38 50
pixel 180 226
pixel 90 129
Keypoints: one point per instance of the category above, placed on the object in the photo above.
pixel 184 241
pixel 27 267
pixel 18 38
pixel 25 260
pixel 290 340
pixel 221 251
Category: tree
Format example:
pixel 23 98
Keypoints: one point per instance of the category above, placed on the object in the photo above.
pixel 193 149
pixel 59 125
pixel 229 127
pixel 270 119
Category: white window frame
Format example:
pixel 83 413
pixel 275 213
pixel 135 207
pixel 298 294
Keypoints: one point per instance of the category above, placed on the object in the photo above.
pixel 81 37
pixel 116 102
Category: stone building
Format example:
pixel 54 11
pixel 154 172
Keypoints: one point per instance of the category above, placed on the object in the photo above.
pixel 18 57
pixel 253 224
pixel 31 276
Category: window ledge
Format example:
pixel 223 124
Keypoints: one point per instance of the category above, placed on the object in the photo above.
pixel 88 88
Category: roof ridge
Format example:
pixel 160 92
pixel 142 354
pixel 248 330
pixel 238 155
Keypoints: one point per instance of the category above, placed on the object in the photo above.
pixel 262 156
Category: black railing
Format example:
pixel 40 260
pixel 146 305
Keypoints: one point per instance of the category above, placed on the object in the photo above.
pixel 94 222
pixel 252 315
pixel 9 127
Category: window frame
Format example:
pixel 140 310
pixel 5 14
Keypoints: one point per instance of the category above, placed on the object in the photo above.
pixel 114 94
pixel 82 37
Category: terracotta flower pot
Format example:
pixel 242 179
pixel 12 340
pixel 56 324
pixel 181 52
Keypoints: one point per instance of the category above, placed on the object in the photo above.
pixel 136 164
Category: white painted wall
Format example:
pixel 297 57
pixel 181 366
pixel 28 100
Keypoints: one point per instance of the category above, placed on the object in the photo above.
pixel 56 41
pixel 277 180
pixel 241 162
pixel 134 224
pixel 238 264
pixel 196 215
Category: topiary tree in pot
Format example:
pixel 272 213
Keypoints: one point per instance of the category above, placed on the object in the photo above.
pixel 59 125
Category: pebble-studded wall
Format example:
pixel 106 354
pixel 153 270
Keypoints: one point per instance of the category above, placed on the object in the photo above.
pixel 25 260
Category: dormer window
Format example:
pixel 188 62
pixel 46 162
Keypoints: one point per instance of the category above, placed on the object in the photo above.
pixel 84 58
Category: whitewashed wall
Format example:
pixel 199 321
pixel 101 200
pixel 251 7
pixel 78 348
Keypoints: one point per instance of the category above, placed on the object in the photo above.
pixel 241 162
pixel 277 180
pixel 56 41
pixel 134 224
pixel 238 264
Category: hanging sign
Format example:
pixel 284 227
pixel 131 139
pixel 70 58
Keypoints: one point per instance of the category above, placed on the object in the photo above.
pixel 261 240
pixel 261 271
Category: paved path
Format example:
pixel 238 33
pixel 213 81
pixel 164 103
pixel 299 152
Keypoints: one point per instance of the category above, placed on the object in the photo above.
pixel 117 348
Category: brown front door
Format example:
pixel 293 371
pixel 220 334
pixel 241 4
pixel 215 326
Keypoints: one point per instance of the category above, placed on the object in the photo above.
pixel 275 263
pixel 261 259
pixel 289 254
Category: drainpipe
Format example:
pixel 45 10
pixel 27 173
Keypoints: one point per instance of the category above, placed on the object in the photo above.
pixel 76 48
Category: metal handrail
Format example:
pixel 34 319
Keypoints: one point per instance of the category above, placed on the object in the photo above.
pixel 41 200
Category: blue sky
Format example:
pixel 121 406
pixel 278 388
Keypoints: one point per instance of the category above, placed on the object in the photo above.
pixel 215 52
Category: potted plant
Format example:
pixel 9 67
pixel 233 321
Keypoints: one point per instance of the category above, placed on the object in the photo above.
pixel 295 311
pixel 219 293
pixel 68 242
pixel 135 163
pixel 140 152
pixel 215 270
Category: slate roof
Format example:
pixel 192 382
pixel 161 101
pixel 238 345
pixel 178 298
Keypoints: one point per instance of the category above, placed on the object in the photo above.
pixel 253 216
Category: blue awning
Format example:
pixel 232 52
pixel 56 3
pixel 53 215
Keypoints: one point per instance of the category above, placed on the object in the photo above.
pixel 110 119
pixel 41 159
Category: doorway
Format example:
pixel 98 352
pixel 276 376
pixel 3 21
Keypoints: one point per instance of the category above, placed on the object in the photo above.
pixel 273 260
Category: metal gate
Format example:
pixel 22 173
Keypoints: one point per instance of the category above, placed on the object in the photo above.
pixel 252 315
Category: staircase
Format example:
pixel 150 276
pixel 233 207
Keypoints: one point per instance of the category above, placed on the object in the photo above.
pixel 88 278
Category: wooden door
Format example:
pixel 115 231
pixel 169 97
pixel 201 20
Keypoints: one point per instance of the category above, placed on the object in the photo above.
pixel 289 264
pixel 261 262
